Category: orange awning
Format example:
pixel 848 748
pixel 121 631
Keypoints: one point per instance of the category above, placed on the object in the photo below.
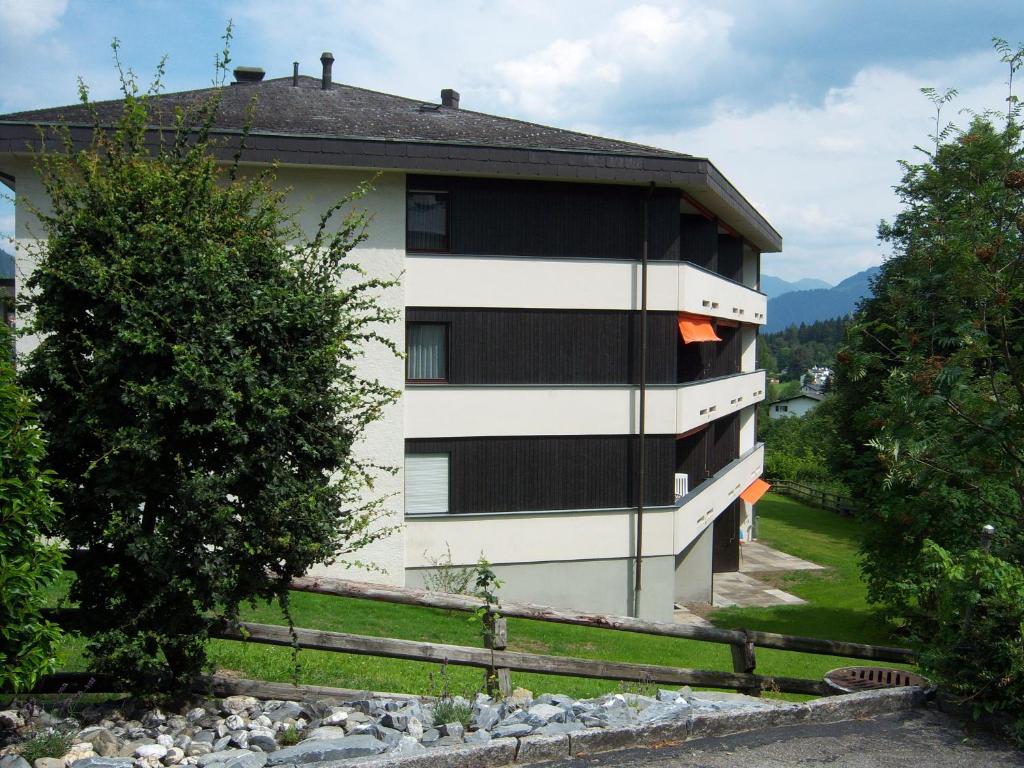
pixel 696 328
pixel 755 491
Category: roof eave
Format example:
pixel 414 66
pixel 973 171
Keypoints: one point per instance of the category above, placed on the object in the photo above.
pixel 698 176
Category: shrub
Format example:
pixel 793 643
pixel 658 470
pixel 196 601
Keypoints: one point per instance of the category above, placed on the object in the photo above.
pixel 197 375
pixel 28 565
pixel 969 629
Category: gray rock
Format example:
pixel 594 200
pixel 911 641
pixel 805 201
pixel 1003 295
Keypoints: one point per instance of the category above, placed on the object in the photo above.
pixel 449 741
pixel 104 743
pixel 430 736
pixel 236 705
pixel 104 762
pixel 155 751
pixel 337 717
pixel 11 719
pixel 205 736
pixel 47 762
pixel 262 738
pixel 287 710
pixel 478 737
pixel 165 740
pixel 325 732
pixel 327 749
pixel 195 715
pixel 664 711
pixel 487 717
pixel 541 714
pixel 174 756
pixel 515 729
pixel 397 720
pixel 198 749
pixel 17 761
pixel 452 729
pixel 221 743
pixel 668 696
pixel 388 735
pixel 234 722
pixel 539 749
pixel 407 745
pixel 415 728
pixel 556 729
pixel 182 742
pixel 240 739
pixel 516 718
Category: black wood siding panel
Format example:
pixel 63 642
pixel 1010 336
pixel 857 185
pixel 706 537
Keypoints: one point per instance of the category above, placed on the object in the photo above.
pixel 725 442
pixel 542 346
pixel 699 241
pixel 503 217
pixel 704 453
pixel 710 359
pixel 519 474
pixel 725 541
pixel 730 257
pixel 692 456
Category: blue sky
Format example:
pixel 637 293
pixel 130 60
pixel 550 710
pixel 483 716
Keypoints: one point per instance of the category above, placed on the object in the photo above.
pixel 805 105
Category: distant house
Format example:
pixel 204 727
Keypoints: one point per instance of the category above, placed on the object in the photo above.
pixel 797 405
pixel 7 288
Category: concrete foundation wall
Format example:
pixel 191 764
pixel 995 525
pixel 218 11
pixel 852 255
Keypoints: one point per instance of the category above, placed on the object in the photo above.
pixel 595 586
pixel 693 570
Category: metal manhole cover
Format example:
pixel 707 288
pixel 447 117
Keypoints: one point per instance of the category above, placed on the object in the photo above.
pixel 850 679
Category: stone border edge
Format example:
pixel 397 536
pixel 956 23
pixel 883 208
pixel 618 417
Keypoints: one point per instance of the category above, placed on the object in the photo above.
pixel 536 749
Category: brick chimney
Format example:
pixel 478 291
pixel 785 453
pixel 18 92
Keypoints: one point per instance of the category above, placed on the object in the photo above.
pixel 450 98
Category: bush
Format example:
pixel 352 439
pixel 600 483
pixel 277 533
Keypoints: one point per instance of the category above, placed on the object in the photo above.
pixel 28 565
pixel 969 629
pixel 197 375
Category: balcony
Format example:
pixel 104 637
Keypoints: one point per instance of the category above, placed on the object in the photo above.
pixel 699 508
pixel 705 401
pixel 442 280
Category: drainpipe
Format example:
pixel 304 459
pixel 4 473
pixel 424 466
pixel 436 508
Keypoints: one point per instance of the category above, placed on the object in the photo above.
pixel 642 432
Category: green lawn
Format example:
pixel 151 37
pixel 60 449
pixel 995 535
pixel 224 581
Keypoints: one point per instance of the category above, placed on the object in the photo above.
pixel 838 610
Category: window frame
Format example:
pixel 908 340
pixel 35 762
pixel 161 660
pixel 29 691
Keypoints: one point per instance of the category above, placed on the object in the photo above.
pixel 447 352
pixel 405 495
pixel 447 220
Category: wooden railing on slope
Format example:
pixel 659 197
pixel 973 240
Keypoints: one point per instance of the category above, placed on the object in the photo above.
pixel 833 502
pixel 498 662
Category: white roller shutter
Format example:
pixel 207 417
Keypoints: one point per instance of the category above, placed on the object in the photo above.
pixel 426 483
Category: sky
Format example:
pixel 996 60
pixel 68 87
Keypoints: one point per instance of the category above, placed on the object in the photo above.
pixel 805 105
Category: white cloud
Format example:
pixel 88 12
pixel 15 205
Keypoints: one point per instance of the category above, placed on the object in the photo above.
pixel 823 173
pixel 568 77
pixel 26 19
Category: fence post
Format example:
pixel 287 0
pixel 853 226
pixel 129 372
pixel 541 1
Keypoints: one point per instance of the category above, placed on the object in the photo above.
pixel 744 661
pixel 499 679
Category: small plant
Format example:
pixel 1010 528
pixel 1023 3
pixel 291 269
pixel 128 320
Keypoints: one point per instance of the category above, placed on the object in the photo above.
pixel 445 576
pixel 448 708
pixel 48 743
pixel 289 736
pixel 645 687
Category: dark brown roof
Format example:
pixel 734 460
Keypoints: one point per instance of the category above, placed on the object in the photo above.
pixel 345 111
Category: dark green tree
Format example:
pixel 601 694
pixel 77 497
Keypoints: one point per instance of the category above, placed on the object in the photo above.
pixel 197 375
pixel 29 566
pixel 929 399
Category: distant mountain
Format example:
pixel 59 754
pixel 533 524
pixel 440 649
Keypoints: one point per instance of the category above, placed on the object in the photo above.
pixel 776 286
pixel 6 265
pixel 798 307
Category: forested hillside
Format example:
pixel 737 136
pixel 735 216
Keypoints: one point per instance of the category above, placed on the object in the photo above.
pixel 791 352
pixel 799 307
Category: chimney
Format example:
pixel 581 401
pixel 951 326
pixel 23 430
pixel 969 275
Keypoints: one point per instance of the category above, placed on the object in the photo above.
pixel 248 74
pixel 327 59
pixel 450 98
pixel 295 74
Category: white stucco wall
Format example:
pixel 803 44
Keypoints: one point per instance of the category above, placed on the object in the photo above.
pixel 381 255
pixel 798 406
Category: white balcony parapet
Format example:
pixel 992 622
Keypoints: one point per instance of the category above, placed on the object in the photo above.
pixel 703 504
pixel 439 280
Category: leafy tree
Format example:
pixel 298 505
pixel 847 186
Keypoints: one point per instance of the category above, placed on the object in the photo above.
pixel 28 565
pixel 197 374
pixel 931 386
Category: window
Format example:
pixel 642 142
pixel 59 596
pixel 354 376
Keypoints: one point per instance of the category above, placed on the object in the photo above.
pixel 426 483
pixel 426 350
pixel 426 221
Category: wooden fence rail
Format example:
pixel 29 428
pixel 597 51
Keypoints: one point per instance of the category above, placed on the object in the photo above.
pixel 498 662
pixel 734 637
pixel 833 502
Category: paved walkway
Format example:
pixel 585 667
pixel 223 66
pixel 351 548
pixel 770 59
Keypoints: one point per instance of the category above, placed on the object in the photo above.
pixel 747 591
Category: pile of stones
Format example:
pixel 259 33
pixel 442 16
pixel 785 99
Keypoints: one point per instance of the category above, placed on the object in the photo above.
pixel 245 732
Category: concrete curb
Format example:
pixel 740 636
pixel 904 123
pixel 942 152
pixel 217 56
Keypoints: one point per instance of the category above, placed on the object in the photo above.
pixel 536 749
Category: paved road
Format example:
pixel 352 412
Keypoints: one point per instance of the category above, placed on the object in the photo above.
pixel 918 739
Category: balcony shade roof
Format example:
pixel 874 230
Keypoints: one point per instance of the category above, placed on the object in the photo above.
pixel 696 328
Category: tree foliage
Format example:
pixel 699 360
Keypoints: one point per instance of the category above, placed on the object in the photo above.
pixel 931 383
pixel 28 565
pixel 792 351
pixel 196 370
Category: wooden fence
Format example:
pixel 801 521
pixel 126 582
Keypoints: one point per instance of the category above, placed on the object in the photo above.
pixel 833 502
pixel 498 662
